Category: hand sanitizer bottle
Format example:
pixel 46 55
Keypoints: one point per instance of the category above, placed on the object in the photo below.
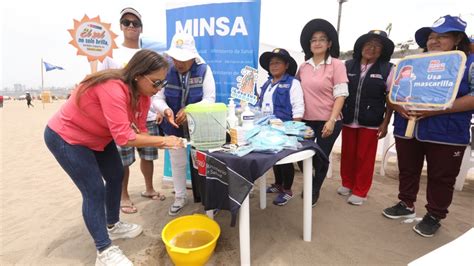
pixel 247 117
pixel 232 119
pixel 267 110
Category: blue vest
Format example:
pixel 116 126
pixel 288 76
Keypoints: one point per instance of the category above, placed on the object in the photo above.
pixel 446 128
pixel 180 93
pixel 281 97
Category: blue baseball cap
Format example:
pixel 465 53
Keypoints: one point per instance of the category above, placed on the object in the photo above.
pixel 442 25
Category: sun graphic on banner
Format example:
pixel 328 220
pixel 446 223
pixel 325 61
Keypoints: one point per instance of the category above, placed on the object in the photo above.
pixel 93 38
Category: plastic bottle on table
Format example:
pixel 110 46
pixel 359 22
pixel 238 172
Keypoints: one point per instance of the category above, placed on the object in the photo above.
pixel 247 117
pixel 232 119
pixel 267 110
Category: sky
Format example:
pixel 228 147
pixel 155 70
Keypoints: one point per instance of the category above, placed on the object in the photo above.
pixel 33 29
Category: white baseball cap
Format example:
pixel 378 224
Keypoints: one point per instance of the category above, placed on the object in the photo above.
pixel 129 10
pixel 183 47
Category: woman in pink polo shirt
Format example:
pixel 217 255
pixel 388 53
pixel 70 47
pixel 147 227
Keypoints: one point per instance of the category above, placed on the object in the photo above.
pixel 108 108
pixel 324 82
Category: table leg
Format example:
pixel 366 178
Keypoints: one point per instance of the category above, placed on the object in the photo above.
pixel 307 198
pixel 263 191
pixel 244 232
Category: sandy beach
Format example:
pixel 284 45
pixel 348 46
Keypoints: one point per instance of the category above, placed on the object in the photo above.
pixel 41 221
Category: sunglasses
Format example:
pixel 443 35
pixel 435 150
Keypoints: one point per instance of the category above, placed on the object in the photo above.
pixel 135 23
pixel 157 83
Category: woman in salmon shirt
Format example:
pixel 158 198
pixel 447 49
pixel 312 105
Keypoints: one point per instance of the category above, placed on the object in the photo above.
pixel 324 82
pixel 108 108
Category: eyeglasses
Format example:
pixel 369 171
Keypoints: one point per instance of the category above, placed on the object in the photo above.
pixel 135 23
pixel 158 83
pixel 321 40
pixel 374 45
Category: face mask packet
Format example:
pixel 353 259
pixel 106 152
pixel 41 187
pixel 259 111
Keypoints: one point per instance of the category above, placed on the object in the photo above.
pixel 308 133
pixel 292 143
pixel 241 151
pixel 278 128
pixel 294 127
pixel 270 151
pixel 268 140
pixel 252 132
pixel 264 120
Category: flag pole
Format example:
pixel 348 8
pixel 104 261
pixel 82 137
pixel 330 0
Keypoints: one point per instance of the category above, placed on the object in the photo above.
pixel 42 80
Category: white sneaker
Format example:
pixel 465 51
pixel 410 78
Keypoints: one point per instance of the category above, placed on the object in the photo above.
pixel 356 200
pixel 343 191
pixel 112 256
pixel 177 206
pixel 124 230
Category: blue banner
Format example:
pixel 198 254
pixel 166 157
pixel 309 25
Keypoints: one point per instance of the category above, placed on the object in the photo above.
pixel 226 35
pixel 227 38
pixel 428 80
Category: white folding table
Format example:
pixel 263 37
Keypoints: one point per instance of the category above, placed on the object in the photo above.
pixel 244 212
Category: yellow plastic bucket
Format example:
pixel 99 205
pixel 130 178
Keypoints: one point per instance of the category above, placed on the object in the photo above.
pixel 190 256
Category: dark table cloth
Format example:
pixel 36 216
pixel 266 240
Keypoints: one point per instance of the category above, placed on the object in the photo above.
pixel 222 181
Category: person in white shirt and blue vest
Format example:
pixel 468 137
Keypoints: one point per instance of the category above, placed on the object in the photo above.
pixel 283 95
pixel 190 80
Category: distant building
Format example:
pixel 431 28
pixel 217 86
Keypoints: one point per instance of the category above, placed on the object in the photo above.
pixel 19 87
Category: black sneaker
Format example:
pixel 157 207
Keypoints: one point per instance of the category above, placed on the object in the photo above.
pixel 428 226
pixel 400 210
pixel 315 198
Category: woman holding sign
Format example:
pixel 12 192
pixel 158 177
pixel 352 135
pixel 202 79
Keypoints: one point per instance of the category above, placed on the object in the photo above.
pixel 440 136
pixel 108 108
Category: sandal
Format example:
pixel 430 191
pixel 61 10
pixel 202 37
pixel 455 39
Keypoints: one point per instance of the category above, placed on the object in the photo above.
pixel 127 206
pixel 154 196
pixel 128 209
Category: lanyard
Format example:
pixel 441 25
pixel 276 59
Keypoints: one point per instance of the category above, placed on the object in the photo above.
pixel 184 88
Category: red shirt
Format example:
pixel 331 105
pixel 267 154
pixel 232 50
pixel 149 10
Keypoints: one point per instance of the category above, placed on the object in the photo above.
pixel 104 115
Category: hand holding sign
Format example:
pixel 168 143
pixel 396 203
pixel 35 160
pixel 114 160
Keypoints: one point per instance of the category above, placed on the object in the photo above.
pixel 426 83
pixel 93 38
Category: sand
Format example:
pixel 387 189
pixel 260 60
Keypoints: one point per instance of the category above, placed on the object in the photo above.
pixel 41 221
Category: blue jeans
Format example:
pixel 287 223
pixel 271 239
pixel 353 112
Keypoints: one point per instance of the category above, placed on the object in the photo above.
pixel 86 167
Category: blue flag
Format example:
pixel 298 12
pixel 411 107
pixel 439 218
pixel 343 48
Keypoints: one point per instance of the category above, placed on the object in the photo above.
pixel 50 67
